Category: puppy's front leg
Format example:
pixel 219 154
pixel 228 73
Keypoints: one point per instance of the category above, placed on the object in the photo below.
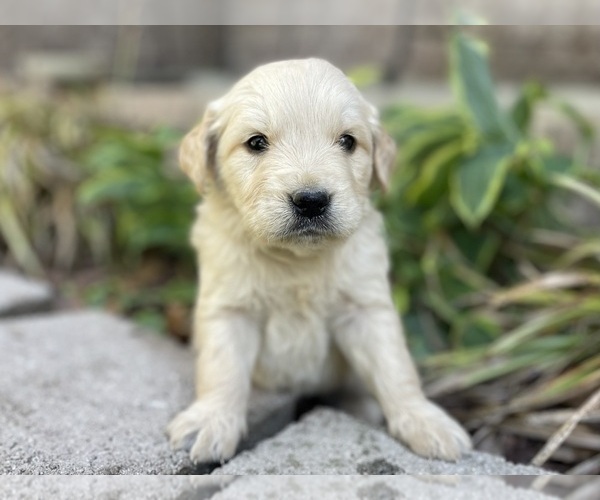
pixel 228 345
pixel 373 343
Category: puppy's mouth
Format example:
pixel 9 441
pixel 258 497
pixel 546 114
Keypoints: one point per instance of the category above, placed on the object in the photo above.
pixel 309 230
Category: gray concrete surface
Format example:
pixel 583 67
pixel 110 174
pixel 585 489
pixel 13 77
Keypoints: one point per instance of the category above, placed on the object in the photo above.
pixel 19 295
pixel 88 393
pixel 374 488
pixel 325 441
pixel 265 487
pixel 109 487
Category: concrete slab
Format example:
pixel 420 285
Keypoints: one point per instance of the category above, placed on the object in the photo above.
pixel 329 442
pixel 374 488
pixel 20 295
pixel 109 487
pixel 88 393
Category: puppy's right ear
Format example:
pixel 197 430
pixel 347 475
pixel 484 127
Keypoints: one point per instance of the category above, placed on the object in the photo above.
pixel 198 150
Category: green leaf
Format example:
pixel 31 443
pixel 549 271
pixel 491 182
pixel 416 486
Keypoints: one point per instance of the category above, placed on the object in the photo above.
pixel 591 193
pixel 584 126
pixel 522 109
pixel 477 182
pixel 432 180
pixel 590 248
pixel 403 121
pixel 475 91
pixel 420 144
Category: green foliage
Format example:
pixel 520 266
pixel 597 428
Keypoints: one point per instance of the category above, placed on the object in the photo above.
pixel 38 175
pixel 475 91
pixel 478 181
pixel 77 190
pixel 484 260
pixel 144 199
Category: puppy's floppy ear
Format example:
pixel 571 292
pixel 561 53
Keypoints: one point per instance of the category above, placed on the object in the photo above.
pixel 384 154
pixel 198 150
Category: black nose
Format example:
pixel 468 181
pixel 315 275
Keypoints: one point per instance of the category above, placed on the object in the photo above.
pixel 310 203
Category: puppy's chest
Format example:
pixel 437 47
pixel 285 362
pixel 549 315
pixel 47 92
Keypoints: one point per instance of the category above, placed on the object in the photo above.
pixel 295 338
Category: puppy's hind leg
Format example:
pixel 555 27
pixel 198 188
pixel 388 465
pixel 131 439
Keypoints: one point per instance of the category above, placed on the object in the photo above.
pixel 228 345
pixel 372 341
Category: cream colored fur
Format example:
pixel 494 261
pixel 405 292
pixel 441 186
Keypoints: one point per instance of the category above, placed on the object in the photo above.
pixel 290 311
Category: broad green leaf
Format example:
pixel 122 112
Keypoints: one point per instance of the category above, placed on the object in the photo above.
pixel 475 91
pixel 477 182
pixel 402 122
pixel 419 145
pixel 432 179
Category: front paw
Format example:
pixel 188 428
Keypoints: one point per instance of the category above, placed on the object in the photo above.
pixel 429 431
pixel 218 431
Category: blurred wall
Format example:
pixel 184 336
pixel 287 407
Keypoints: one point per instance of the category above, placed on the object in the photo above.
pixel 554 53
pixel 147 52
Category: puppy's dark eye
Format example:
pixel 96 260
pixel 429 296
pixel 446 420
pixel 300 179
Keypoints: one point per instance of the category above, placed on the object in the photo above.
pixel 347 142
pixel 257 143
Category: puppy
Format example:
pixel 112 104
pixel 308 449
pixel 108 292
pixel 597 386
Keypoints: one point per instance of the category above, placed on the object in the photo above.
pixel 294 291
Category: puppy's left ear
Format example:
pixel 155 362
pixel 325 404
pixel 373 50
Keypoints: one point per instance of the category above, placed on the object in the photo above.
pixel 384 155
pixel 384 158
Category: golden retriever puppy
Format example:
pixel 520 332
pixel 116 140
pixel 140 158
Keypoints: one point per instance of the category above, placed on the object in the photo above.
pixel 294 292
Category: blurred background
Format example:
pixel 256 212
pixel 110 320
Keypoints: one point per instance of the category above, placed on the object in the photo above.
pixel 492 217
